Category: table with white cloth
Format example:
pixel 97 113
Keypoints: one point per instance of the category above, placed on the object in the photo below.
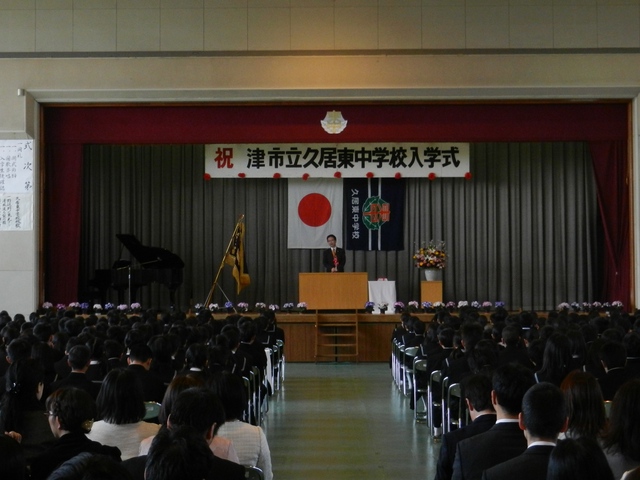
pixel 382 291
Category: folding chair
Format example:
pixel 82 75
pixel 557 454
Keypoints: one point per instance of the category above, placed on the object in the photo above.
pixel 281 361
pixel 433 402
pixel 420 389
pixel 253 473
pixel 407 360
pixel 248 412
pixel 456 405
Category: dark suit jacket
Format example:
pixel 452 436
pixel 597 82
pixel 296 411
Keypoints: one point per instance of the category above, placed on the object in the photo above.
pixel 613 380
pixel 64 448
pixel 78 380
pixel 152 387
pixel 450 440
pixel 500 443
pixel 456 369
pixel 222 469
pixel 327 259
pixel 515 355
pixel 531 465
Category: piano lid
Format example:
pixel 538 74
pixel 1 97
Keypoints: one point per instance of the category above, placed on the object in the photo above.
pixel 150 257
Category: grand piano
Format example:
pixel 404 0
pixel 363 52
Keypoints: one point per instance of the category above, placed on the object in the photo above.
pixel 153 264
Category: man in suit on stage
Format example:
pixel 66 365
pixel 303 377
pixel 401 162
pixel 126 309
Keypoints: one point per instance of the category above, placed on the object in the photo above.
pixel 333 258
pixel 477 393
pixel 543 417
pixel 504 440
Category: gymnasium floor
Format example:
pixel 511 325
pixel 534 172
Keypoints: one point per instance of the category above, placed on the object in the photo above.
pixel 345 421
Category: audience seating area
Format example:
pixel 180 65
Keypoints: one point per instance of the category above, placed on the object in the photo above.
pixel 575 351
pixel 72 349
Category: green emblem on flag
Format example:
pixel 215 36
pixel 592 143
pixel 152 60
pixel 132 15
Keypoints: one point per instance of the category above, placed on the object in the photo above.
pixel 375 213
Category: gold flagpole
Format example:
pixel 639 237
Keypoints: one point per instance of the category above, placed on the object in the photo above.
pixel 224 258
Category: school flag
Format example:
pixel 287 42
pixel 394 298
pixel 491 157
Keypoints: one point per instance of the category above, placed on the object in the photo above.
pixel 315 211
pixel 374 209
pixel 235 258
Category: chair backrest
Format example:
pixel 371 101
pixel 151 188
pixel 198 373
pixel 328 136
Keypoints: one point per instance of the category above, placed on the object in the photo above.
pixel 436 377
pixel 419 364
pixel 411 351
pixel 152 409
pixel 253 473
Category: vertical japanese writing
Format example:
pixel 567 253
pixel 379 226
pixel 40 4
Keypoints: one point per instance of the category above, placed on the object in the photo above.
pixel 355 214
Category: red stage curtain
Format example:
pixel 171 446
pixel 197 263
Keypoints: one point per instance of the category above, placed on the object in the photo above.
pixel 612 180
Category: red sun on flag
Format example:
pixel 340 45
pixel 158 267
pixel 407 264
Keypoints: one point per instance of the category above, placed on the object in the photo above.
pixel 314 209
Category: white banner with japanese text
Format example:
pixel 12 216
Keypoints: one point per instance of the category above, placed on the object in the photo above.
pixel 16 185
pixel 303 160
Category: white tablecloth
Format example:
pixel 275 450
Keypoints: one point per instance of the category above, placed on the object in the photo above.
pixel 382 291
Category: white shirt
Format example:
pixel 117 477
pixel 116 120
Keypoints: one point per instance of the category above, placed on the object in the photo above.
pixel 251 445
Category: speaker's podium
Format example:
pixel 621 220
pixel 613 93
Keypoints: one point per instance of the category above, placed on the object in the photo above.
pixel 333 291
pixel 336 336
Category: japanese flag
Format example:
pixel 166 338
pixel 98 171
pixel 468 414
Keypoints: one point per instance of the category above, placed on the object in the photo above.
pixel 315 211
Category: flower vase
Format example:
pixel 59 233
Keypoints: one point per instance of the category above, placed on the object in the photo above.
pixel 433 274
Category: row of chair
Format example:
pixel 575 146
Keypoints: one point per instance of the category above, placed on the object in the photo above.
pixel 437 399
pixel 258 405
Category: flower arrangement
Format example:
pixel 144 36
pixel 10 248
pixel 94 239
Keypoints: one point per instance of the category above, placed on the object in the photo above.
pixel 274 307
pixel 413 306
pixel 368 306
pixel 243 306
pixel 261 307
pixel 433 255
pixel 398 307
pixel 287 307
pixel 302 306
pixel 383 306
pixel 213 307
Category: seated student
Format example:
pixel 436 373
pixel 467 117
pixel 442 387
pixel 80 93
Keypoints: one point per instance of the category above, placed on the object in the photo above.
pixel 162 365
pixel 621 441
pixel 179 453
pixel 199 409
pixel 197 359
pixel 21 409
pixel 585 405
pixel 577 459
pixel 140 358
pixel 114 352
pixel 220 446
pixel 504 440
pixel 543 417
pixel 12 463
pixel 79 359
pixel 249 441
pixel 89 466
pixel 71 412
pixel 121 407
pixel 614 359
pixel 477 394
pixel 514 349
